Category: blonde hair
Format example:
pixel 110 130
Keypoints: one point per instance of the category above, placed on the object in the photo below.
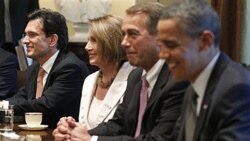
pixel 107 32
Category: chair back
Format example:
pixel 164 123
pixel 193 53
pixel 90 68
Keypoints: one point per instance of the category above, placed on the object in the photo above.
pixel 21 56
pixel 20 78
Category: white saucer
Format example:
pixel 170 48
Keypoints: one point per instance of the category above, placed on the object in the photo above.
pixel 26 127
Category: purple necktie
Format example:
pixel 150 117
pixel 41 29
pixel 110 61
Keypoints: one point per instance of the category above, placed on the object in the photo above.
pixel 143 104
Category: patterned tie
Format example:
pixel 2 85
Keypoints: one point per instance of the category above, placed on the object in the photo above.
pixel 39 88
pixel 143 104
pixel 191 117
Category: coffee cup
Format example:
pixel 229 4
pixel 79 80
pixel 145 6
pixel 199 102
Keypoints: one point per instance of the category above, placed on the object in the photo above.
pixel 33 119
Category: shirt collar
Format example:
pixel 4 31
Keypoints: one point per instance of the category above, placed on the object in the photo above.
pixel 153 73
pixel 49 63
pixel 200 83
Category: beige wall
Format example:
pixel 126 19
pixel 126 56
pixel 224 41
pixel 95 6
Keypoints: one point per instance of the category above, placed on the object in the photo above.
pixel 118 6
pixel 47 4
pixel 165 2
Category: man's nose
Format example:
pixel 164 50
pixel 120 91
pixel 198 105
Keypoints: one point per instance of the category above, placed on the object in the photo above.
pixel 125 42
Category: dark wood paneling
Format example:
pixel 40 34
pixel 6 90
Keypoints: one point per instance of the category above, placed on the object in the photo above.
pixel 79 49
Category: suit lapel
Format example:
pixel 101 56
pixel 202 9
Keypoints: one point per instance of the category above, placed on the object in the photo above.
pixel 160 83
pixel 87 96
pixel 59 59
pixel 111 100
pixel 211 86
pixel 137 89
pixel 204 109
pixel 33 80
pixel 115 93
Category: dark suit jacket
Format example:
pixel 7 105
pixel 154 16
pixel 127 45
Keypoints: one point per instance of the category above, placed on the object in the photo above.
pixel 18 16
pixel 161 113
pixel 225 114
pixel 62 91
pixel 8 74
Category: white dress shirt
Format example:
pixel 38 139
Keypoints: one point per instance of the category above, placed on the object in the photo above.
pixel 108 105
pixel 48 65
pixel 152 76
pixel 200 84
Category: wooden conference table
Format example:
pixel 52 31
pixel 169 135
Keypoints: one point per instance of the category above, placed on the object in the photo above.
pixel 27 135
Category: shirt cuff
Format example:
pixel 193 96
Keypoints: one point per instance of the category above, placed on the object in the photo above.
pixel 94 138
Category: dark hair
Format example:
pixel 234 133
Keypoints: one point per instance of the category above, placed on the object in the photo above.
pixel 152 10
pixel 193 17
pixel 53 23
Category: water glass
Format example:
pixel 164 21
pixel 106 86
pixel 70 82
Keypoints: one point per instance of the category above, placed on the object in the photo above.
pixel 6 118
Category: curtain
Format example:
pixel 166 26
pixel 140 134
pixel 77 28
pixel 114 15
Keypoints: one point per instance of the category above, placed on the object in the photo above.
pixel 245 57
pixel 231 13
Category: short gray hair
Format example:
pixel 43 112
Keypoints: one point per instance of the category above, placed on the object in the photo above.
pixel 194 16
pixel 152 10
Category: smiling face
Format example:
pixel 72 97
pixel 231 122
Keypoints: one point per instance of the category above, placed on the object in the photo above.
pixel 92 49
pixel 38 45
pixel 141 47
pixel 181 52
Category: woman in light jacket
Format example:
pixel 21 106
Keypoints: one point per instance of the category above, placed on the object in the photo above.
pixel 103 90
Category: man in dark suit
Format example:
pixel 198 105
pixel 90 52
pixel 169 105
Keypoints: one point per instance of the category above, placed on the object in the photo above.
pixel 13 20
pixel 217 103
pixel 164 95
pixel 54 81
pixel 8 74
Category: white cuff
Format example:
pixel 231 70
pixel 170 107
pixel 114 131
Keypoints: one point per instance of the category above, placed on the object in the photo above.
pixel 94 138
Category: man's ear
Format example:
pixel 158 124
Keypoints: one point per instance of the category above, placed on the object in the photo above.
pixel 206 39
pixel 53 40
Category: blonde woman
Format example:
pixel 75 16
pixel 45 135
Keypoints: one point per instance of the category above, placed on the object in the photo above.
pixel 103 90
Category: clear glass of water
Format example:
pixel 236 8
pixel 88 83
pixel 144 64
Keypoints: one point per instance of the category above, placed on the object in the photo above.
pixel 7 118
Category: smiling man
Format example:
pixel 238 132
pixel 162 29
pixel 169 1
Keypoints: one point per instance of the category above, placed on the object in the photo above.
pixel 152 100
pixel 54 81
pixel 216 106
